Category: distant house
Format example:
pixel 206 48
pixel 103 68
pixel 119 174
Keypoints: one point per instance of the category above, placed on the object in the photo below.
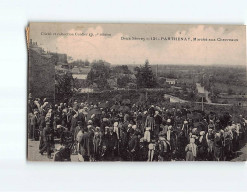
pixel 80 73
pixel 79 76
pixel 63 65
pixel 84 70
pixel 171 81
pixel 61 69
pixel 75 70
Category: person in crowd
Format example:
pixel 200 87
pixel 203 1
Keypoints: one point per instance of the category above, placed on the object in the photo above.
pixel 46 135
pixel 34 126
pixel 133 146
pixel 210 143
pixel 157 123
pixel 191 150
pixel 218 144
pixel 111 143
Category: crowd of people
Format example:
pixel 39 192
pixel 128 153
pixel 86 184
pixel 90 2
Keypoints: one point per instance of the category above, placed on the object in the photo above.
pixel 123 131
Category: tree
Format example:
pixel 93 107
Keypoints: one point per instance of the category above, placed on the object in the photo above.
pixel 86 63
pixel 99 73
pixel 145 77
pixel 123 81
pixel 64 86
pixel 123 69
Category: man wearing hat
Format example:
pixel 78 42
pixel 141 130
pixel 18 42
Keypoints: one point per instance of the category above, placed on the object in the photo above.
pixel 123 143
pixel 133 146
pixel 77 129
pixel 73 122
pixel 111 144
pixel 46 134
pixel 34 125
pixel 157 123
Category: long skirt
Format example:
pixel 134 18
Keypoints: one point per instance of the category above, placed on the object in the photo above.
pixel 190 156
pixel 217 152
pixel 210 145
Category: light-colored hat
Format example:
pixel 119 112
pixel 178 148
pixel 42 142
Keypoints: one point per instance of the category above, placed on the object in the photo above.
pixel 129 125
pixel 168 120
pixel 185 122
pixel 59 126
pixel 90 122
pixel 194 130
pixel 202 132
pixel 60 148
pixel 134 127
pixel 162 138
pixel 192 140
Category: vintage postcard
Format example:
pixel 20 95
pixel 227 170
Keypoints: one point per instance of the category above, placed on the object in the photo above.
pixel 136 92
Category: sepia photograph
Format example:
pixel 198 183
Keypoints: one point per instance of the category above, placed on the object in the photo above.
pixel 136 92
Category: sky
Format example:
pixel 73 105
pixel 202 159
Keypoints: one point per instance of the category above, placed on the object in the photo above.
pixel 117 51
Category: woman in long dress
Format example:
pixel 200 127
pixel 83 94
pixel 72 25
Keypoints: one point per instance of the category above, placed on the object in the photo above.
pixel 191 150
pixel 218 147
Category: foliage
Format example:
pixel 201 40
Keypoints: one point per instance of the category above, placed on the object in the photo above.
pixel 121 70
pixel 80 63
pixel 145 77
pixel 98 75
pixel 123 81
pixel 64 86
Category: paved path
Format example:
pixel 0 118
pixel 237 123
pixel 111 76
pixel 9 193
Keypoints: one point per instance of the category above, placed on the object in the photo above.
pixel 242 153
pixel 34 155
pixel 203 91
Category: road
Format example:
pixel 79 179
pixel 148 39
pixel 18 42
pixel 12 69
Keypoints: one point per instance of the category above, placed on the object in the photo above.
pixel 242 153
pixel 34 155
pixel 203 91
pixel 174 99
